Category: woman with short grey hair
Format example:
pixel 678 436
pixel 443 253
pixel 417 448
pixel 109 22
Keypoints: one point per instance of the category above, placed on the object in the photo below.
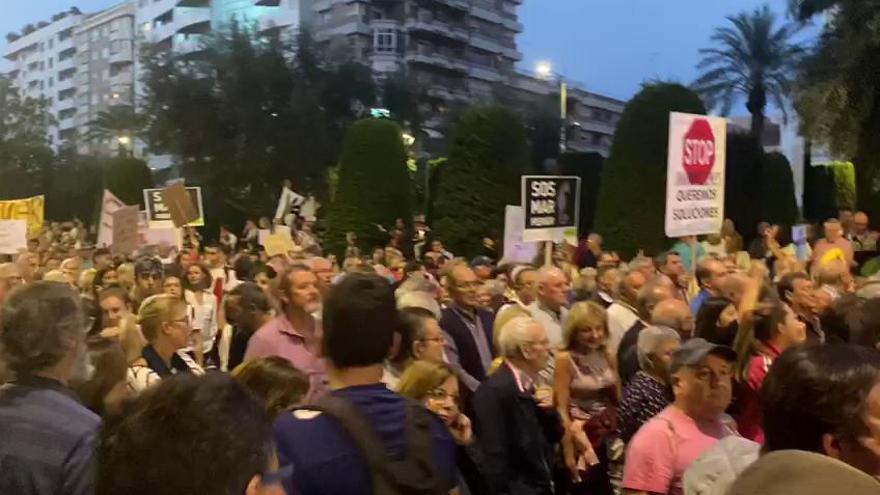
pixel 649 392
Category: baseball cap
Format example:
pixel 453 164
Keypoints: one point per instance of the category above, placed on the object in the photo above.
pixel 693 351
pixel 481 261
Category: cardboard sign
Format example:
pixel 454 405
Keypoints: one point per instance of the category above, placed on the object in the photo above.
pixel 126 237
pixel 515 249
pixel 550 206
pixel 29 209
pixel 179 205
pixel 159 213
pixel 278 245
pixel 13 236
pixel 109 204
pixel 695 174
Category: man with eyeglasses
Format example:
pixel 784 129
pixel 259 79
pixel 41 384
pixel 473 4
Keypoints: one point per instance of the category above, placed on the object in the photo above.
pixel 468 329
pixel 666 445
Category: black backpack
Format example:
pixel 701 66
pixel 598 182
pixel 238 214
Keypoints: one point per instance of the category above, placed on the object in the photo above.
pixel 415 473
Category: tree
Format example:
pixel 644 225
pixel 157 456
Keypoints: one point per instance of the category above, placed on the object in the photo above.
pixel 780 204
pixel 743 183
pixel 115 123
pixel 487 156
pixel 373 186
pixel 838 97
pixel 587 166
pixel 25 156
pixel 127 178
pixel 753 59
pixel 631 204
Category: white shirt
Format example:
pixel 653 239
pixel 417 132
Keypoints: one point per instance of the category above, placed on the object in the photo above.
pixel 140 377
pixel 551 322
pixel 621 317
pixel 205 316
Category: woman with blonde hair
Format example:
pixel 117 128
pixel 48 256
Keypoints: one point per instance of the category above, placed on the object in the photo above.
pixel 165 325
pixel 587 392
pixel 273 380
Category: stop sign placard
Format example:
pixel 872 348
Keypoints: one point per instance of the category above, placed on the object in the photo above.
pixel 698 151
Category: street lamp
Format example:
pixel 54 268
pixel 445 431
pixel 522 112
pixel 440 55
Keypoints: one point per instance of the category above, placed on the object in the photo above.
pixel 544 70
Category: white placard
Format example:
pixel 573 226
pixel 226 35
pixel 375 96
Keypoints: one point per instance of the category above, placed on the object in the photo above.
pixel 515 249
pixel 13 236
pixel 109 204
pixel 695 174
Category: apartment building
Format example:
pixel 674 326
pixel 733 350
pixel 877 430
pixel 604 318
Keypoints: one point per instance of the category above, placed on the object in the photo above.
pixel 43 58
pixel 105 75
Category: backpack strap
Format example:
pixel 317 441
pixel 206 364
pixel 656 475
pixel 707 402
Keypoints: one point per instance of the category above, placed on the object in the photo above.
pixel 360 431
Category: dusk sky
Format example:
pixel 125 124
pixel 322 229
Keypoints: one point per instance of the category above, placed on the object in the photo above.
pixel 611 46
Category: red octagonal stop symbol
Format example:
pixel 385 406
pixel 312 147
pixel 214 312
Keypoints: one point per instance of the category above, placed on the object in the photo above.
pixel 698 152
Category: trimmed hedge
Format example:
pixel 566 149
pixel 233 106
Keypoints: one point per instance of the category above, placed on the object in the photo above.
pixel 373 185
pixel 780 204
pixel 587 166
pixel 127 178
pixel 488 154
pixel 631 204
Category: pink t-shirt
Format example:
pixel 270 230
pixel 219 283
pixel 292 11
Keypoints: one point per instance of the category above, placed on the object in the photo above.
pixel 664 448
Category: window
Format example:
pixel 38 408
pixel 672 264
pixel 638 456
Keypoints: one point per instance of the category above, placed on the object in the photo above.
pixel 105 52
pixel 50 62
pixel 51 43
pixel 51 81
pixel 385 41
pixel 596 138
pixel 93 35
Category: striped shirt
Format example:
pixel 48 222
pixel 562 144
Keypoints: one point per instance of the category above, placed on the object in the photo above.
pixel 48 439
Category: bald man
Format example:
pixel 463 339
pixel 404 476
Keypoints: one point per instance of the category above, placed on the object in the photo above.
pixel 550 309
pixel 653 294
pixel 675 314
pixel 863 238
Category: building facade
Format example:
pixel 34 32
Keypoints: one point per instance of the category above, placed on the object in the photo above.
pixel 458 51
pixel 44 65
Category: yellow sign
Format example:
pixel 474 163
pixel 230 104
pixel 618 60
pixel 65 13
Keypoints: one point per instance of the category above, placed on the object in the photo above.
pixel 278 245
pixel 28 209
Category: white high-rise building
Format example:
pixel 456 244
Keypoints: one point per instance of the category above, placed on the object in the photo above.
pixel 43 57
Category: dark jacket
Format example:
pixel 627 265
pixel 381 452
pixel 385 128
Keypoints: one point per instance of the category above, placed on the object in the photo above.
pixel 515 436
pixel 468 356
pixel 628 353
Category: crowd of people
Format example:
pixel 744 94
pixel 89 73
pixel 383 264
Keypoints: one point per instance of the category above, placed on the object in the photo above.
pixel 713 367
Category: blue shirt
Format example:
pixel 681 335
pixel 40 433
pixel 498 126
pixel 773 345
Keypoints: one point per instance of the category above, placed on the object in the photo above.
pixel 47 439
pixel 327 462
pixel 698 301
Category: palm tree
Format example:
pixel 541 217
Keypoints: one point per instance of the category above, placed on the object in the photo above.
pixel 119 123
pixel 753 59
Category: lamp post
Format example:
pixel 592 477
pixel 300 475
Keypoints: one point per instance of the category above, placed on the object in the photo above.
pixel 544 70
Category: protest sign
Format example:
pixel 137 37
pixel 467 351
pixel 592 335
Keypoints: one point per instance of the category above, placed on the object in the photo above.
pixel 126 238
pixel 109 204
pixel 28 209
pixel 695 174
pixel 278 244
pixel 515 249
pixel 13 236
pixel 160 216
pixel 180 205
pixel 550 206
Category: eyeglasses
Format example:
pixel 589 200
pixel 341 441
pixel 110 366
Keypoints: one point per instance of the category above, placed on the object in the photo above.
pixel 441 340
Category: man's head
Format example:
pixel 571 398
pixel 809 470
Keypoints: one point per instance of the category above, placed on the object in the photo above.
pixel 608 279
pixel 323 269
pixel 836 274
pixel 846 218
pixel 594 243
pixel 524 342
pixel 701 379
pixel 437 246
pixel 644 265
pixel 711 274
pixel 630 286
pixel 860 223
pixel 553 288
pixel 797 290
pixel 247 306
pixel 168 440
pixel 482 267
pixel 427 337
pixel 655 348
pixel 462 284
pixel 825 399
pixel 525 283
pixel 298 290
pixel 360 320
pixel 10 278
pixel 215 256
pixel 669 264
pixel 71 267
pixel 101 258
pixel 675 314
pixel 734 287
pixel 833 229
pixel 606 260
pixel 42 330
pixel 115 305
pixel 148 275
pixel 654 291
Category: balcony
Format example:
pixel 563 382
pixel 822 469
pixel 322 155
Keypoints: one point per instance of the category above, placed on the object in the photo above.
pixel 485 13
pixel 278 19
pixel 186 45
pixel 486 43
pixel 192 20
pixel 122 56
pixel 449 61
pixel 512 24
pixel 485 73
pixel 162 32
pixel 125 77
pixel 63 84
pixel 66 123
pixel 65 104
pixel 512 53
pixel 267 3
pixel 65 64
pixel 426 22
pixel 323 5
pixel 193 3
pixel 456 4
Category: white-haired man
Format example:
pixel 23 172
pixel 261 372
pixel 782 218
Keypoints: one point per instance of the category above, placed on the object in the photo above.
pixel 516 423
pixel 550 309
